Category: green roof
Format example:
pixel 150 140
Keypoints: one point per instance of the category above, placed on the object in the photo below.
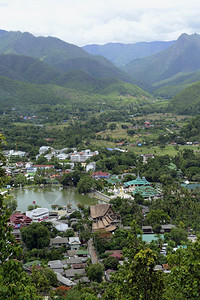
pixel 113 180
pixel 82 252
pixel 137 181
pixel 145 191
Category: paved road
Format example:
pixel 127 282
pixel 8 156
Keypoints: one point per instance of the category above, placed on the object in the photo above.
pixel 92 252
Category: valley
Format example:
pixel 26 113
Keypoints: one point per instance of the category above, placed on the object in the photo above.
pixel 100 145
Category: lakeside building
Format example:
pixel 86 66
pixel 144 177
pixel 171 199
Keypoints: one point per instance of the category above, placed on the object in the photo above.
pixel 38 214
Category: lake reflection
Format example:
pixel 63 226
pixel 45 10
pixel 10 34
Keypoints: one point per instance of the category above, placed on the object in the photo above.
pixel 47 196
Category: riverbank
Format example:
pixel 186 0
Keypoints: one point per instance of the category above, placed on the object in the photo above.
pixel 100 196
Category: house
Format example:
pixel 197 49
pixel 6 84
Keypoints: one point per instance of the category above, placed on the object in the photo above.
pixel 100 174
pixel 19 219
pixel 43 167
pixel 192 238
pixel 167 228
pixel 71 261
pixel 64 280
pixel 79 266
pixel 83 279
pixel 57 242
pixel 70 273
pixel 91 166
pixel 82 156
pixel 56 266
pixel 104 218
pixel 147 229
pixel 74 243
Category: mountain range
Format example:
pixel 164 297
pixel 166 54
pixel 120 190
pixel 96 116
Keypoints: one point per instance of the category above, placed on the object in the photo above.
pixel 173 67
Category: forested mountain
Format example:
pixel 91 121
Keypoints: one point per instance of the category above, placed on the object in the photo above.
pixel 121 54
pixel 187 101
pixel 29 69
pixel 59 54
pixel 180 62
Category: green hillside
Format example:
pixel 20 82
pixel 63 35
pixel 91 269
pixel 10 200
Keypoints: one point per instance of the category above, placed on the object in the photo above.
pixel 26 68
pixel 168 88
pixel 96 96
pixel 191 130
pixel 187 101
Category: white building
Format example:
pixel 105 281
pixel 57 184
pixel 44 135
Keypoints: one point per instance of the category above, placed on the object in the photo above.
pixel 17 153
pixel 74 243
pixel 82 156
pixel 91 166
pixel 44 149
pixel 38 214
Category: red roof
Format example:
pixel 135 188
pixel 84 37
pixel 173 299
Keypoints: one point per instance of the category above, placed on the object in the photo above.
pixel 44 166
pixel 19 219
pixel 100 173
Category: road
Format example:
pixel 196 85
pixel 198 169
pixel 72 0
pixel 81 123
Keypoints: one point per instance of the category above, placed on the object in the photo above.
pixel 92 252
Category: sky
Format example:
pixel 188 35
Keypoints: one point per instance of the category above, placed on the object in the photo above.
pixel 83 22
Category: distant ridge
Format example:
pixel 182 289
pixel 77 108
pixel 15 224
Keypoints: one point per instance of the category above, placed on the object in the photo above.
pixel 121 54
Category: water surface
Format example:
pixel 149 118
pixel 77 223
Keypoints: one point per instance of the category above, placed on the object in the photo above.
pixel 47 196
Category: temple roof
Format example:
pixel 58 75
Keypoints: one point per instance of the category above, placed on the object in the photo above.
pixel 137 181
pixel 99 210
pixel 146 191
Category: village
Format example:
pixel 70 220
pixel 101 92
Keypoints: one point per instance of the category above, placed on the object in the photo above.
pixel 78 238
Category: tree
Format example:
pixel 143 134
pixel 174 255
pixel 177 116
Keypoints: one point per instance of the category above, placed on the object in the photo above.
pixel 157 216
pixel 95 272
pixel 178 235
pixel 86 184
pixel 14 282
pixel 36 236
pixel 184 278
pixel 110 263
pixel 137 278
pixel 10 203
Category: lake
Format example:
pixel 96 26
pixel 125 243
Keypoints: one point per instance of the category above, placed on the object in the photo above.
pixel 47 196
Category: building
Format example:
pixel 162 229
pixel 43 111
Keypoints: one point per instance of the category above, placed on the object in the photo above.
pixel 58 242
pixel 91 166
pixel 104 218
pixel 136 182
pixel 74 243
pixel 38 214
pixel 19 219
pixel 82 156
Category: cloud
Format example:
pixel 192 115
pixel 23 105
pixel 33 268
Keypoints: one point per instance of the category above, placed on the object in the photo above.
pixel 101 21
